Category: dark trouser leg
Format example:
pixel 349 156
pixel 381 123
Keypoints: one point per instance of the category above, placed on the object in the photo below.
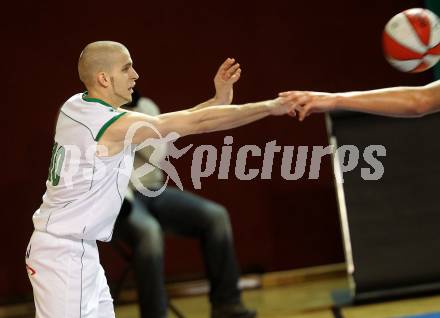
pixel 186 214
pixel 140 230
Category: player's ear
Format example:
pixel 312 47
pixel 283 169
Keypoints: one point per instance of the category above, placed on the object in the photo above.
pixel 103 79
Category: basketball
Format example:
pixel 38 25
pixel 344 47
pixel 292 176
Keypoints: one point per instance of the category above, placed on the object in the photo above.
pixel 411 40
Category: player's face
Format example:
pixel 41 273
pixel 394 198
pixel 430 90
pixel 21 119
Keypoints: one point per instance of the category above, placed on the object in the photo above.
pixel 123 78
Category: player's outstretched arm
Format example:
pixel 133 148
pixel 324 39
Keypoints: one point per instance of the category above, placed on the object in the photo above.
pixel 394 101
pixel 225 78
pixel 208 119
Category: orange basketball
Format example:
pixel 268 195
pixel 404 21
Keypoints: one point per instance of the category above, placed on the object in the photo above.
pixel 411 40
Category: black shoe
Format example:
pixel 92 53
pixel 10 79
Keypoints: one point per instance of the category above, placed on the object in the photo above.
pixel 232 311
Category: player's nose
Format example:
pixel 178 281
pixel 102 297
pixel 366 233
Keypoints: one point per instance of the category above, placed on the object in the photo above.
pixel 135 75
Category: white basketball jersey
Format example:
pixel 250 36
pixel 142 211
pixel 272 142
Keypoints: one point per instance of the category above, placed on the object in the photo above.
pixel 84 192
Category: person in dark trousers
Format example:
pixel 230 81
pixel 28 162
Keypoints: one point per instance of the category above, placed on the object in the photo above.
pixel 144 219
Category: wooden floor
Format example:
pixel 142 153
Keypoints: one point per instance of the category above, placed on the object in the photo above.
pixel 294 294
pixel 302 300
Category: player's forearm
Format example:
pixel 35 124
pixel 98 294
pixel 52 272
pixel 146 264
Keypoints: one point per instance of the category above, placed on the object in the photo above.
pixel 213 118
pixel 227 117
pixel 398 101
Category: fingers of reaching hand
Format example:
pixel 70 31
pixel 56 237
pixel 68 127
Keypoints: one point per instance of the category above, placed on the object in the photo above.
pixel 292 113
pixel 301 115
pixel 229 70
pixel 300 103
pixel 229 61
pixel 226 64
pixel 305 111
pixel 287 104
pixel 233 71
pixel 236 75
pixel 301 100
pixel 223 68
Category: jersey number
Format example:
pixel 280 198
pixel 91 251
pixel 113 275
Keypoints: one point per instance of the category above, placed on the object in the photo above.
pixel 56 163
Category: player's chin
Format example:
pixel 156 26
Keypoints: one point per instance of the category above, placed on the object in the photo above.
pixel 128 97
pixel 130 94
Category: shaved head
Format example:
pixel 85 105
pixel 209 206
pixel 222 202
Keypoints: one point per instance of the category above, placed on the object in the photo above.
pixel 97 57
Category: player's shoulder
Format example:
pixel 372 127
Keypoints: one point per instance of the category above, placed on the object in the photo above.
pixel 72 103
pixel 75 99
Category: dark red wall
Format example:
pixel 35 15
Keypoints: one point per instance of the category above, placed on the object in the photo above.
pixel 176 48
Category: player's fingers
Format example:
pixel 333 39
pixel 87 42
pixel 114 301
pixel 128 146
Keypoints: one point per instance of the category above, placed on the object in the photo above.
pixel 236 75
pixel 227 64
pixel 302 100
pixel 231 70
pixel 301 115
pixel 297 97
pixel 237 72
pixel 224 66
pixel 299 108
pixel 291 113
pixel 305 111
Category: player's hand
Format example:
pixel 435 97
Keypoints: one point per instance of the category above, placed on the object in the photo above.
pixel 225 78
pixel 306 103
pixel 281 106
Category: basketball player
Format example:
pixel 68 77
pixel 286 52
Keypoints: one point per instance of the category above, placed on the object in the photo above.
pixel 394 101
pixel 88 177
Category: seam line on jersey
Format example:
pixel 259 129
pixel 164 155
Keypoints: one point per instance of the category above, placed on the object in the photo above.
pixel 67 203
pixel 78 123
pixel 50 214
pixel 120 197
pixel 80 300
pixel 117 178
pixel 93 173
pixel 48 219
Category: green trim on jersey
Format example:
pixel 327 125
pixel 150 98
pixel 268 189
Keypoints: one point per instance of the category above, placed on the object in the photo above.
pixel 95 100
pixel 56 163
pixel 107 124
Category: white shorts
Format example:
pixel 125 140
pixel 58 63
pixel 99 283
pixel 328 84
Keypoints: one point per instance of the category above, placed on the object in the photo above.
pixel 67 279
